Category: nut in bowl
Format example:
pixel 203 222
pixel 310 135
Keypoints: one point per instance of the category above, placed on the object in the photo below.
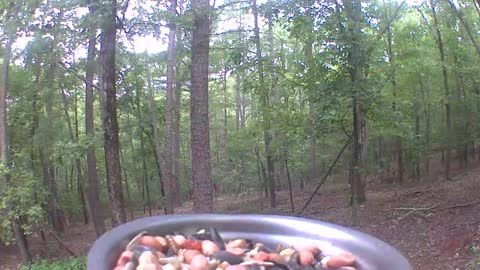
pixel 240 242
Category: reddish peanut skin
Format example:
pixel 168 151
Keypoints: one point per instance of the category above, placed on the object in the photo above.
pixel 199 262
pixel 276 258
pixel 192 244
pixel 151 241
pixel 125 258
pixel 189 254
pixel 305 257
pixel 341 259
pixel 209 247
pixel 118 267
pixel 162 242
pixel 261 256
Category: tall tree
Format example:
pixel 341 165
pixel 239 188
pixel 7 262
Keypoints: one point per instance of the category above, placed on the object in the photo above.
pixel 443 62
pixel 4 151
pixel 356 63
pixel 110 124
pixel 93 191
pixel 169 125
pixel 265 102
pixel 391 60
pixel 201 162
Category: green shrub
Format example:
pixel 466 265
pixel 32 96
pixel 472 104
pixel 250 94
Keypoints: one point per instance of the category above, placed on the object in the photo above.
pixel 475 263
pixel 67 264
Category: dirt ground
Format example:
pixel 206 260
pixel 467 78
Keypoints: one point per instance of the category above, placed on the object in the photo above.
pixel 435 224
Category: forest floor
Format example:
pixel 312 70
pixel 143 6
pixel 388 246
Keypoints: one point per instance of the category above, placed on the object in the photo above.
pixel 435 223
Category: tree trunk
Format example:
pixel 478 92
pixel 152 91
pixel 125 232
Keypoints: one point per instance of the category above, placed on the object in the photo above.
pixel 127 187
pixel 290 190
pixel 356 63
pixel 243 112
pixel 278 135
pixel 146 187
pixel 93 192
pixel 74 138
pixel 167 176
pixel 438 37
pixel 176 123
pixel 428 125
pixel 4 152
pixel 176 145
pixel 45 152
pixel 311 87
pixel 201 164
pixel 238 104
pixel 110 124
pixel 225 111
pixel 170 112
pixel 417 136
pixel 267 136
pixel 398 139
pixel 466 26
pixel 462 118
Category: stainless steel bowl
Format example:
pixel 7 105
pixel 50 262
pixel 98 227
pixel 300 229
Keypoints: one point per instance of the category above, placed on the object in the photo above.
pixel 370 252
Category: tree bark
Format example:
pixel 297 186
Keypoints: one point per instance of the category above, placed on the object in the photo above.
pixel 4 152
pixel 176 145
pixel 417 136
pixel 428 125
pixel 356 63
pixel 238 104
pixel 93 192
pixel 438 38
pixel 201 163
pixel 146 187
pixel 167 186
pixel 267 136
pixel 398 139
pixel 169 125
pixel 176 122
pixel 110 124
pixel 312 170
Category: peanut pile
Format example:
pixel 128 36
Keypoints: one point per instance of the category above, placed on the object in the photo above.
pixel 206 250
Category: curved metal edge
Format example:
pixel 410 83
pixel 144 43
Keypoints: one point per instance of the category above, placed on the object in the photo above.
pixel 303 226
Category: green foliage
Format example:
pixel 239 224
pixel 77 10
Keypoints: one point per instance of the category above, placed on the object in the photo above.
pixel 18 203
pixel 474 264
pixel 66 264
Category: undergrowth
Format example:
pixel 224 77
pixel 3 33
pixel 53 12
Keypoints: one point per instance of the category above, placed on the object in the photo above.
pixel 475 263
pixel 65 264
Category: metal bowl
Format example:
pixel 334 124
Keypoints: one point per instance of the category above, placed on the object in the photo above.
pixel 371 253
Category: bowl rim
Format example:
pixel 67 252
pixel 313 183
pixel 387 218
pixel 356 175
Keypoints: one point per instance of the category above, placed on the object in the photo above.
pixel 117 234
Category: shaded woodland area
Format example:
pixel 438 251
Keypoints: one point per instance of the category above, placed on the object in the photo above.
pixel 263 100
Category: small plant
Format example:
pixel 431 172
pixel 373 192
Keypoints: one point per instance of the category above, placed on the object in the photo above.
pixel 474 264
pixel 65 264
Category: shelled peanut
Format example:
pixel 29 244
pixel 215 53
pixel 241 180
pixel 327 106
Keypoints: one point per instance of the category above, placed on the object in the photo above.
pixel 206 250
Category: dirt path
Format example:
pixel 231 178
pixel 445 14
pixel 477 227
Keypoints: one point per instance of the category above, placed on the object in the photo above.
pixel 433 224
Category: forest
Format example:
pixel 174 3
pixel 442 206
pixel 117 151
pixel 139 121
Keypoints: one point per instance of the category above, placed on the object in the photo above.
pixel 116 109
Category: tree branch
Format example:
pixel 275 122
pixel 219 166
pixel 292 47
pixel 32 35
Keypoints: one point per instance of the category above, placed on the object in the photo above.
pixel 382 31
pixel 77 75
pixel 325 176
